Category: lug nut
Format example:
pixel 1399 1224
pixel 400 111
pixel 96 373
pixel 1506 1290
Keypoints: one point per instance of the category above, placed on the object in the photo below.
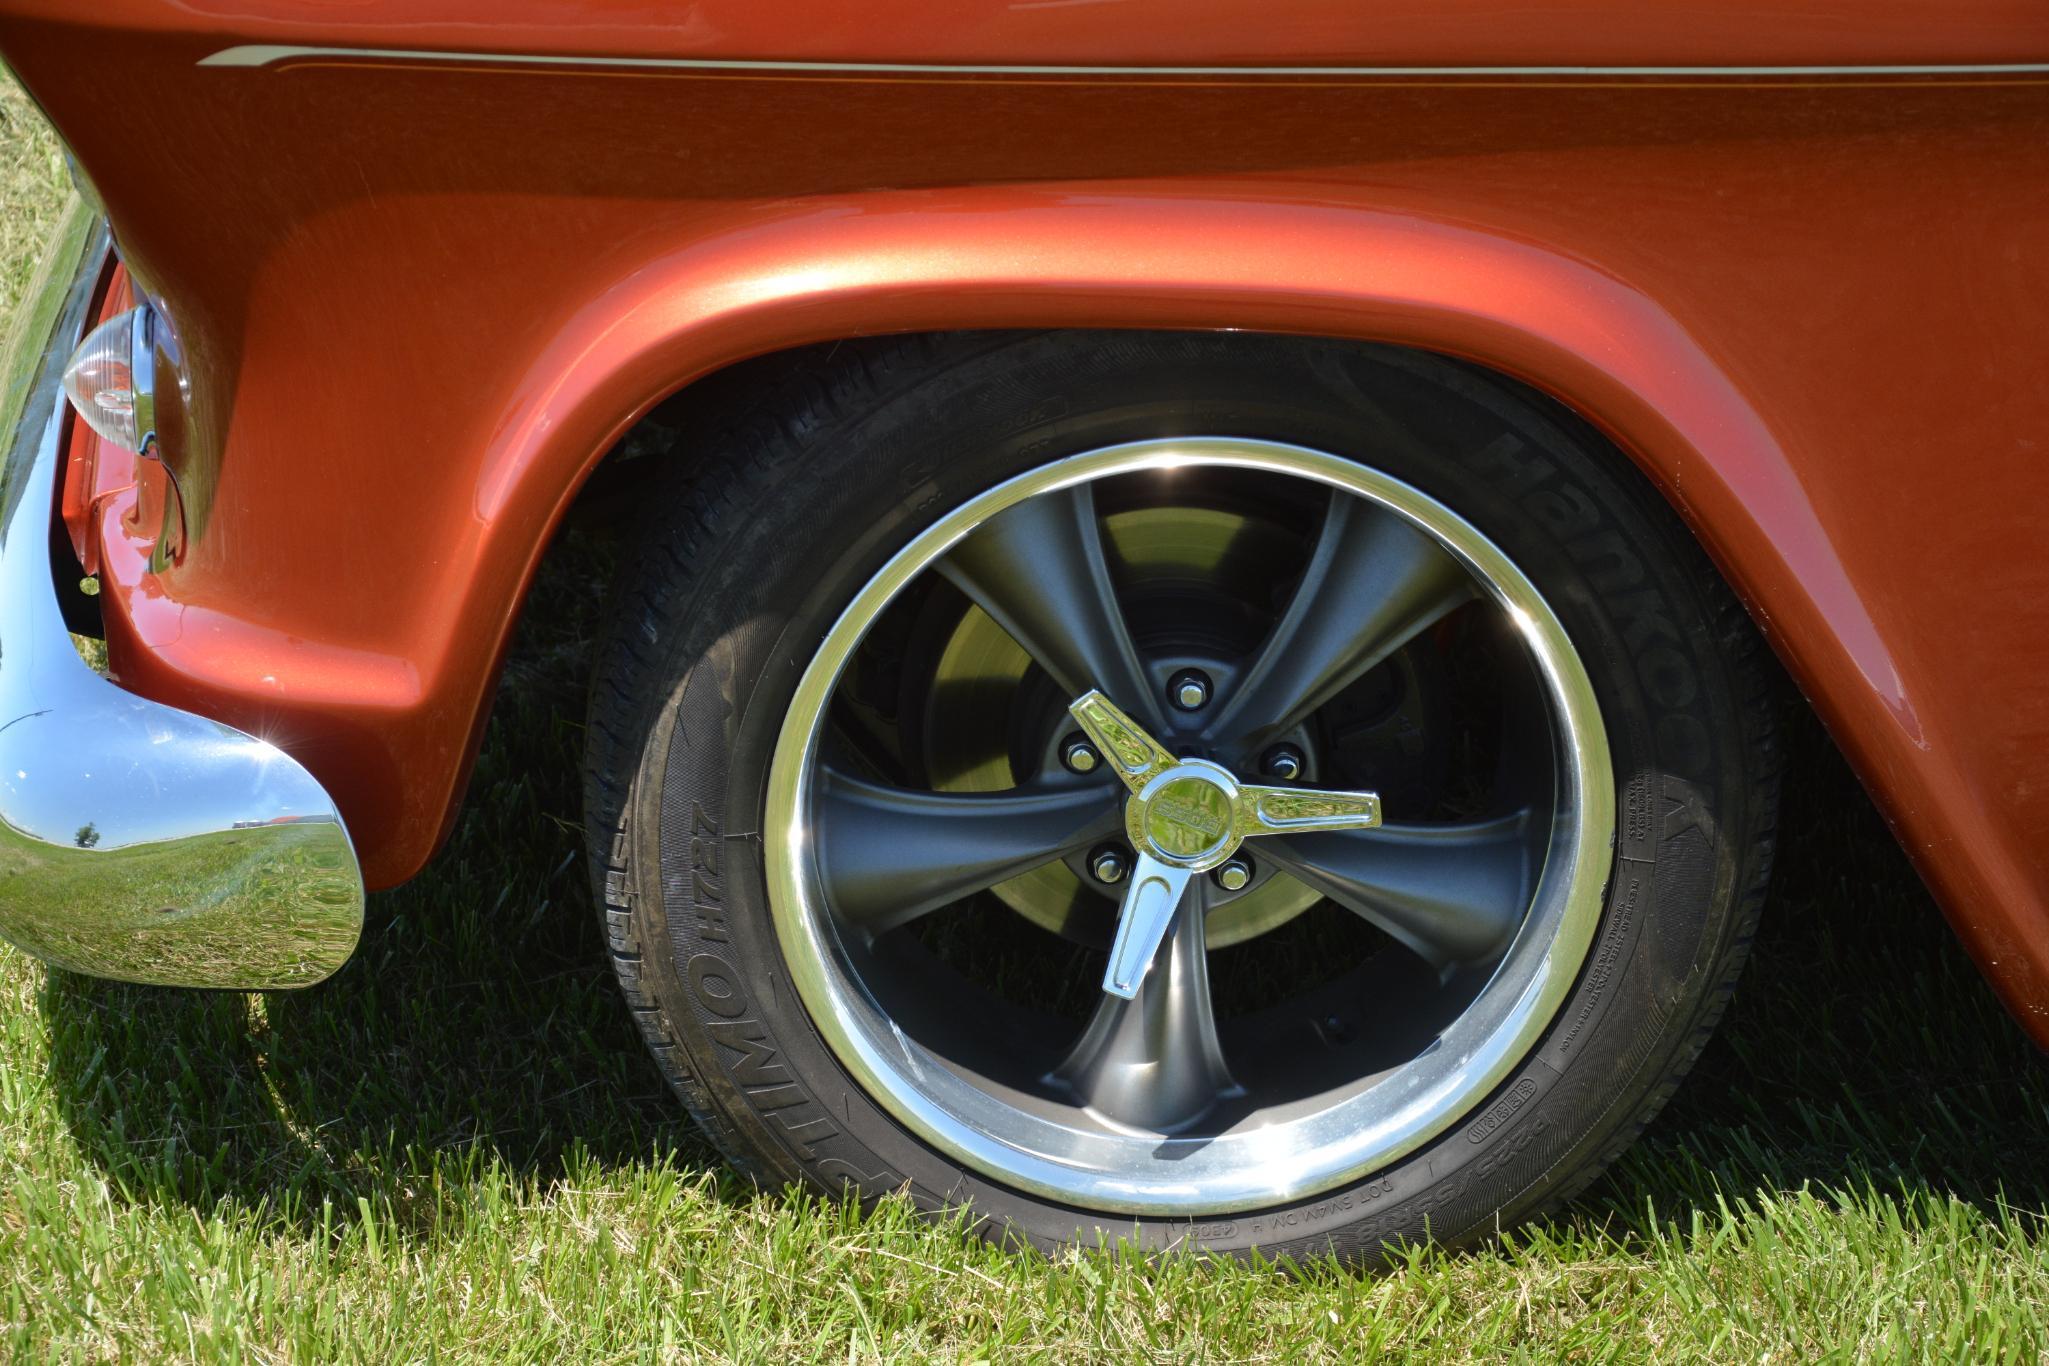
pixel 1233 875
pixel 1283 762
pixel 1190 690
pixel 1108 865
pixel 1079 755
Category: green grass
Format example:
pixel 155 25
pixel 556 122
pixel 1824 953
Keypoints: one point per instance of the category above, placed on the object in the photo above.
pixel 456 1148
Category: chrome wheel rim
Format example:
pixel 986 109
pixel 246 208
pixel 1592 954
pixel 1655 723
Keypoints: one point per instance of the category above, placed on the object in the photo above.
pixel 1146 1114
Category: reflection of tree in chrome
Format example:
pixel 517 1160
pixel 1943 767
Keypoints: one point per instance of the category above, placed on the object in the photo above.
pixel 88 835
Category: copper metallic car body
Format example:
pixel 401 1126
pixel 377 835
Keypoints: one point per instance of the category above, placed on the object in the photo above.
pixel 427 259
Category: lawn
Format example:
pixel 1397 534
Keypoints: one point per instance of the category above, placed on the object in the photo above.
pixel 456 1147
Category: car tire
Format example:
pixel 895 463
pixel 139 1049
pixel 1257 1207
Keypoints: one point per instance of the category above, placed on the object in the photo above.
pixel 765 537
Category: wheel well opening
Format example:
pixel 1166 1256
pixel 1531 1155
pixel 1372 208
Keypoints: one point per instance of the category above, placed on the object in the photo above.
pixel 612 505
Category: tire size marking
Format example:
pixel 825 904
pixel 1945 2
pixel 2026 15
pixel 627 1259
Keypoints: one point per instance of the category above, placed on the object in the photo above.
pixel 1511 1150
pixel 707 900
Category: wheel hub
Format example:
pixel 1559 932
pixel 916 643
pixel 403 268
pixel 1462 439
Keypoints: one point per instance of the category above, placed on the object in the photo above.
pixel 1169 555
pixel 1188 816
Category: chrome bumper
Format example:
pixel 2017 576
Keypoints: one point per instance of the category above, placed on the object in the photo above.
pixel 137 841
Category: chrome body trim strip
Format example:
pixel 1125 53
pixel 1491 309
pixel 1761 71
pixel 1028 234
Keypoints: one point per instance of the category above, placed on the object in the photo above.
pixel 251 55
pixel 137 841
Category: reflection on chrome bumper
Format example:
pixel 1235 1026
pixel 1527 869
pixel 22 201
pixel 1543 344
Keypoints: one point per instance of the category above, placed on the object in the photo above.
pixel 137 841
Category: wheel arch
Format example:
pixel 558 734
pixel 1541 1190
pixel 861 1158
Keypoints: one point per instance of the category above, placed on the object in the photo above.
pixel 1587 338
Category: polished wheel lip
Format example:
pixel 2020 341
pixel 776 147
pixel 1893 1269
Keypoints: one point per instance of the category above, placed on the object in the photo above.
pixel 1239 1170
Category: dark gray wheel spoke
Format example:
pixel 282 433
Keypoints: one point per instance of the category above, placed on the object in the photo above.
pixel 890 854
pixel 1153 1062
pixel 1038 569
pixel 1453 893
pixel 1373 583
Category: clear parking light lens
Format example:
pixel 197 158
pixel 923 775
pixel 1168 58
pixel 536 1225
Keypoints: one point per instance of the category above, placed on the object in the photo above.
pixel 111 380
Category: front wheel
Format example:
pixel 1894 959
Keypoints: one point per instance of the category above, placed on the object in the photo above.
pixel 1196 790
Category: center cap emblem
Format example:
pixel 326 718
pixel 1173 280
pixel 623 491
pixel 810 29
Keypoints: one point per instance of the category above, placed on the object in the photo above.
pixel 1186 816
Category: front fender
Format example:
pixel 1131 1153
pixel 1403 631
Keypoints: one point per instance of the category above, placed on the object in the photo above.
pixel 1733 449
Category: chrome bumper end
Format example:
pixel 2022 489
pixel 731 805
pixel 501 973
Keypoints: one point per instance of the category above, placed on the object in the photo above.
pixel 137 841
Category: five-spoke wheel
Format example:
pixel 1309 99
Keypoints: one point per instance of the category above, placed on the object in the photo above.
pixel 1156 1103
pixel 1325 834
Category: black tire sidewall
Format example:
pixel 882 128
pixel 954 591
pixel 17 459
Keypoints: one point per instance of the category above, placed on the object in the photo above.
pixel 852 488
